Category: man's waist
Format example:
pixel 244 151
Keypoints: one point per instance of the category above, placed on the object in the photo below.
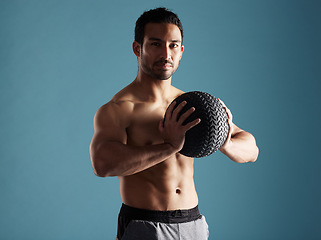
pixel 172 216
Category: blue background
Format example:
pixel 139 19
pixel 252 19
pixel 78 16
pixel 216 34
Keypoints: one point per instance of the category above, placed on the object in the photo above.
pixel 61 60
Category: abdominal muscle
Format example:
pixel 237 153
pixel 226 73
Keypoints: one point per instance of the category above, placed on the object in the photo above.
pixel 166 186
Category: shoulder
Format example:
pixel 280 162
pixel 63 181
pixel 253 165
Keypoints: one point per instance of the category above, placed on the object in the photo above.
pixel 116 112
pixel 176 93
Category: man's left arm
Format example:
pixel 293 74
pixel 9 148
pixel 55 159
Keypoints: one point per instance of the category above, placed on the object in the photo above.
pixel 240 146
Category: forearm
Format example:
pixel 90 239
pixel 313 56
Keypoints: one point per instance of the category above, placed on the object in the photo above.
pixel 241 148
pixel 117 159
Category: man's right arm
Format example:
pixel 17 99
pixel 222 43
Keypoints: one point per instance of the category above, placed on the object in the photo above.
pixel 111 156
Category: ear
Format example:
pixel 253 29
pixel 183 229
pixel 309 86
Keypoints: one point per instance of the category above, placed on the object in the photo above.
pixel 136 48
pixel 182 50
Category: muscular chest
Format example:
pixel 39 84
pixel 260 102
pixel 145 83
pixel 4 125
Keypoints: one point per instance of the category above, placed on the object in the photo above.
pixel 144 126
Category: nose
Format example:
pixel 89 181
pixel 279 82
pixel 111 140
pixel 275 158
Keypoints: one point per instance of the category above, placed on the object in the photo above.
pixel 166 52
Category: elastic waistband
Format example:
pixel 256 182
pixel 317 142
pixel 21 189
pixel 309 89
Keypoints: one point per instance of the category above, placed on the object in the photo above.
pixel 176 216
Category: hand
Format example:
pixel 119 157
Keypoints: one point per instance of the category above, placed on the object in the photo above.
pixel 173 131
pixel 240 146
pixel 230 123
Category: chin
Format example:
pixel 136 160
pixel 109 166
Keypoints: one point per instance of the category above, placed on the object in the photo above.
pixel 163 76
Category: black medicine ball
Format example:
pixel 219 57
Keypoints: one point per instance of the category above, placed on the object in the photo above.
pixel 211 133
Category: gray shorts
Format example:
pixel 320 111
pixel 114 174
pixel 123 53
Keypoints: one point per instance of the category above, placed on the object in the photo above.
pixel 134 224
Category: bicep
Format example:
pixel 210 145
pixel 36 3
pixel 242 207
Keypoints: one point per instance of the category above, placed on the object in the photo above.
pixel 109 127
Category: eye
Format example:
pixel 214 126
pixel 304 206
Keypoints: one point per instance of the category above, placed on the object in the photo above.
pixel 156 44
pixel 174 45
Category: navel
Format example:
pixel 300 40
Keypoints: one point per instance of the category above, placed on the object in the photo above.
pixel 178 190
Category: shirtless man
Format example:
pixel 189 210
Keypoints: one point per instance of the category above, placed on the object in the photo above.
pixel 130 142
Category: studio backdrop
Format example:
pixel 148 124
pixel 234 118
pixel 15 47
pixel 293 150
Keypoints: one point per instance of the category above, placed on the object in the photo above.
pixel 61 60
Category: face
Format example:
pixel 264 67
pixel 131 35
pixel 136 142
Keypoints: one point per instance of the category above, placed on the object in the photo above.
pixel 162 50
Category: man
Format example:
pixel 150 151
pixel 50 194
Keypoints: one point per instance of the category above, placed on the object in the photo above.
pixel 130 141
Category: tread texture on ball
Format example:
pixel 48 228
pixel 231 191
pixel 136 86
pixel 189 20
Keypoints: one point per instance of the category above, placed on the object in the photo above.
pixel 211 133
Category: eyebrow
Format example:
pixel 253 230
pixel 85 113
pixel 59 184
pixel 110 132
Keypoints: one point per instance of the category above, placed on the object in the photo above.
pixel 160 40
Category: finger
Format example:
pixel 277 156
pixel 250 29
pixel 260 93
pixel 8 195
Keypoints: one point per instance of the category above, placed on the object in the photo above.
pixel 169 111
pixel 225 107
pixel 192 124
pixel 221 102
pixel 186 114
pixel 229 135
pixel 161 125
pixel 229 121
pixel 178 109
pixel 229 113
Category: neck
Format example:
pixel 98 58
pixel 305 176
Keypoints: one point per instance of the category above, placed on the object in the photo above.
pixel 153 89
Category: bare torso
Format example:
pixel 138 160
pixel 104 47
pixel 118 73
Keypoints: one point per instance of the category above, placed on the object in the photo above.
pixel 168 185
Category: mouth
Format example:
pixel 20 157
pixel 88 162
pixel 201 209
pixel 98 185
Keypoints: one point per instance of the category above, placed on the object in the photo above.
pixel 164 65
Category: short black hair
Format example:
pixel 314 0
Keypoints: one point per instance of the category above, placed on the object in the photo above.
pixel 157 15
